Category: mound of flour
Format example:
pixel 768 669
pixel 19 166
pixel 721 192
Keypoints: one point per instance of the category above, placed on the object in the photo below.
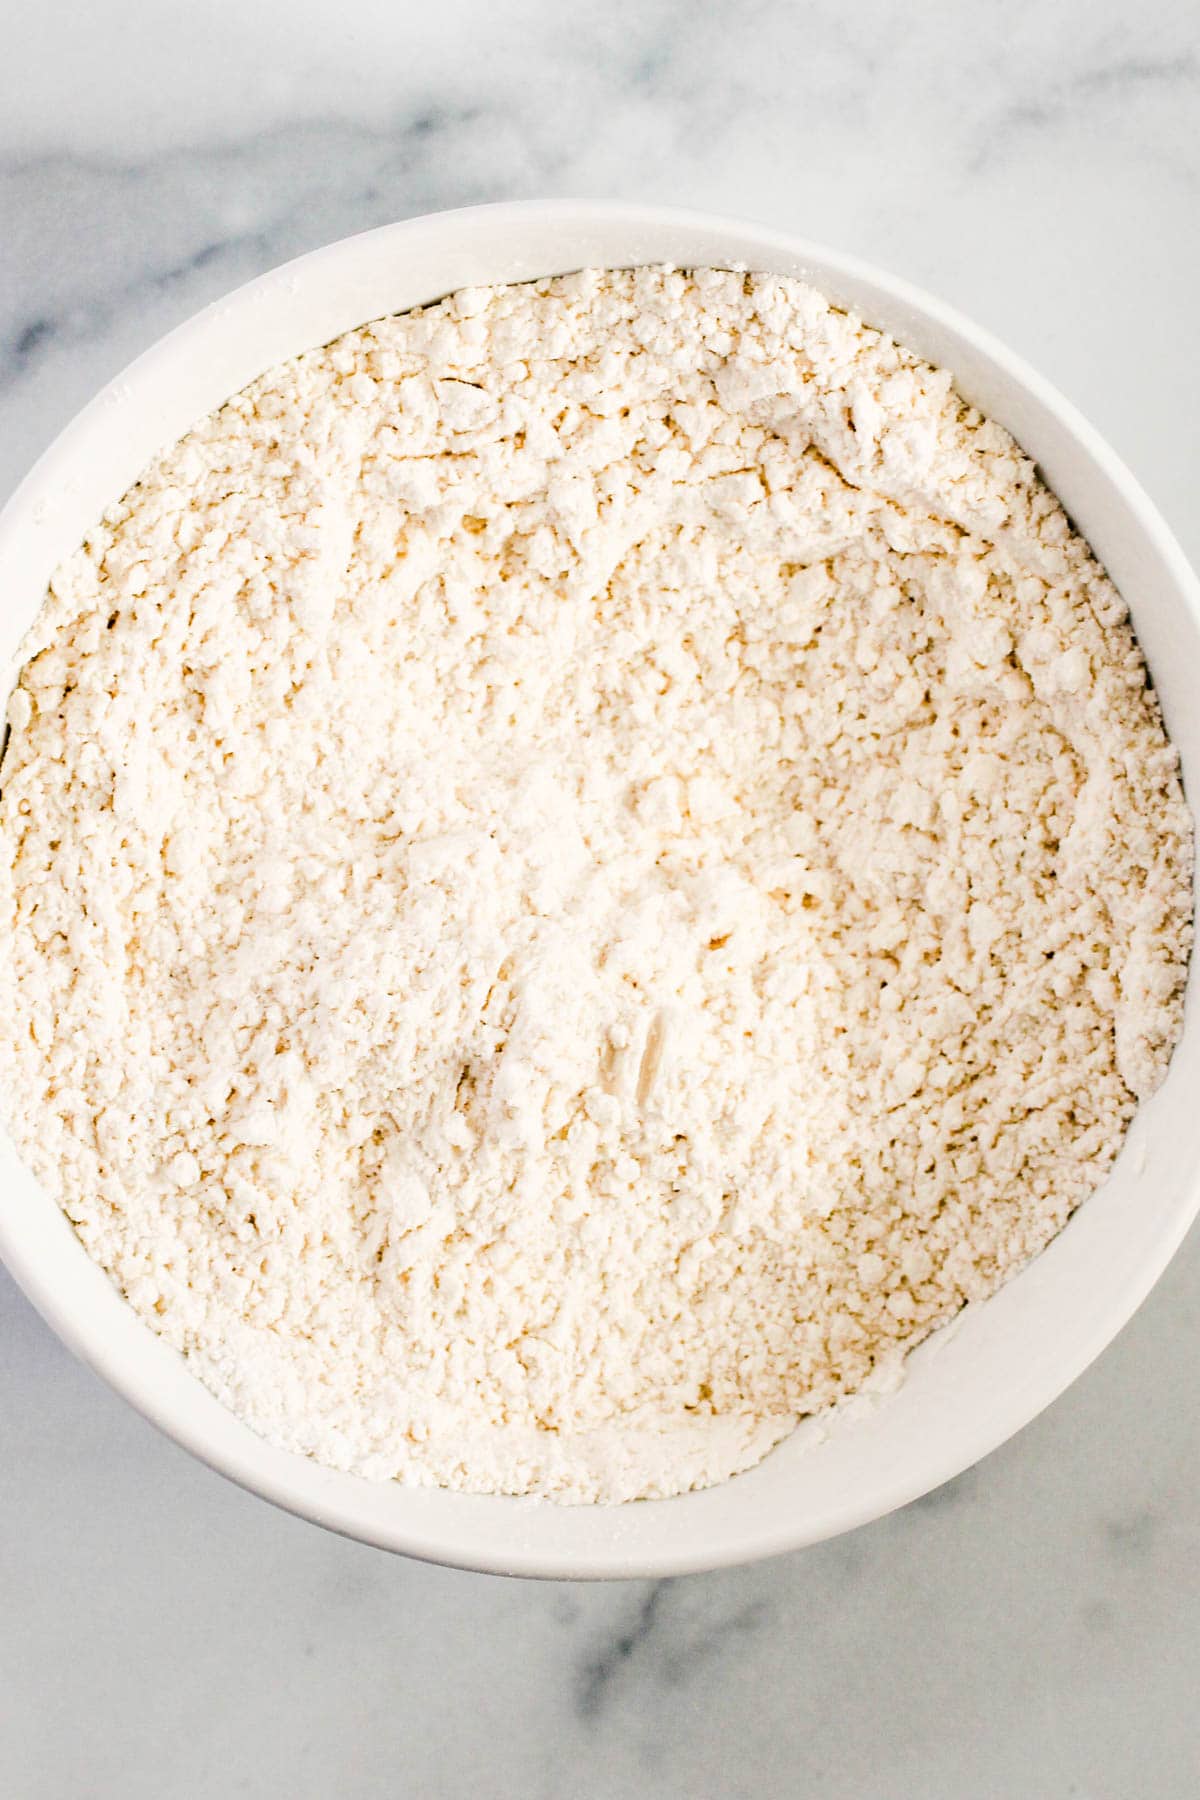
pixel 581 868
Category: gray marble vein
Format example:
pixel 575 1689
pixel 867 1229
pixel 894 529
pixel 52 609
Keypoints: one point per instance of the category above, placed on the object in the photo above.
pixel 1033 1629
pixel 1105 92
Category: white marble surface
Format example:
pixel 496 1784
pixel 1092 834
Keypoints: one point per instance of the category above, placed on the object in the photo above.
pixel 1034 1630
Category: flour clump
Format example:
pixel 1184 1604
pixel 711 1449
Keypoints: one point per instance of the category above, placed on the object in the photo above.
pixel 581 867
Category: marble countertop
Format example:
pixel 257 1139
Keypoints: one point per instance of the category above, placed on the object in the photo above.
pixel 1034 1629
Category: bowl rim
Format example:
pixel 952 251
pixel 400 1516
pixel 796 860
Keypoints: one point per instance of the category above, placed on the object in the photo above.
pixel 445 1545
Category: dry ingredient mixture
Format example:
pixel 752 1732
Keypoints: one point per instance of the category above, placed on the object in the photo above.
pixel 581 867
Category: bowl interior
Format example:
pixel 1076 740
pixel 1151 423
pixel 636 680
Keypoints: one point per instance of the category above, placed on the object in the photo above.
pixel 1002 1361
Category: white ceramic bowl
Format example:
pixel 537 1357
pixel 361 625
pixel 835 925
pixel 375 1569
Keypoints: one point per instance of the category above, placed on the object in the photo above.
pixel 1005 1359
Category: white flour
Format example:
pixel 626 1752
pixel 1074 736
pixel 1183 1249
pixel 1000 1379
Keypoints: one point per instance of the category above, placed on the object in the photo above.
pixel 581 868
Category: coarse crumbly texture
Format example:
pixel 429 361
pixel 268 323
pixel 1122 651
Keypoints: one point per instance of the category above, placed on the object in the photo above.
pixel 581 868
